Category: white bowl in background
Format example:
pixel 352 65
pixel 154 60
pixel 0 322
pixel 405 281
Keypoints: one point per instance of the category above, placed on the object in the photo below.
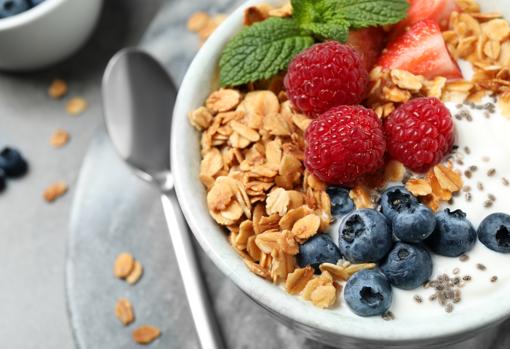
pixel 46 34
pixel 337 328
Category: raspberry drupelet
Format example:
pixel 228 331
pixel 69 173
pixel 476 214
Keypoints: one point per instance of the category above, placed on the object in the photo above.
pixel 420 133
pixel 343 144
pixel 324 76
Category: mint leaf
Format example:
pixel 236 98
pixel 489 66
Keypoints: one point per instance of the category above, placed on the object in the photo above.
pixel 261 51
pixel 367 13
pixel 318 17
pixel 324 31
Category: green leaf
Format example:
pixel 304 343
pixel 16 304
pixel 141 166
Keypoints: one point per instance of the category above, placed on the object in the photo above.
pixel 261 51
pixel 367 13
pixel 324 31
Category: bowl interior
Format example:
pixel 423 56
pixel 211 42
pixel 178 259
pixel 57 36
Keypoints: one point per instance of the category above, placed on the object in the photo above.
pixel 199 81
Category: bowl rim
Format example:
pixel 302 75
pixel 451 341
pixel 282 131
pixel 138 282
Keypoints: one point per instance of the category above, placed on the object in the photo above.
pixel 30 15
pixel 373 330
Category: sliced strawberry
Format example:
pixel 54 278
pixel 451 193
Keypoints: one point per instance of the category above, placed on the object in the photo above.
pixel 422 51
pixel 369 42
pixel 419 10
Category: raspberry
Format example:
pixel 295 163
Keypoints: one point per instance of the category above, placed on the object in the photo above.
pixel 343 144
pixel 324 76
pixel 419 133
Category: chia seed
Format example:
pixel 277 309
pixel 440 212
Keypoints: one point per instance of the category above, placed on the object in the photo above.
pixel 494 279
pixel 473 168
pixel 469 196
pixel 491 172
pixel 388 316
pixel 418 299
pixel 466 189
pixel 456 271
pixel 460 162
pixel 467 150
pixel 480 186
pixel 468 174
pixel 481 267
pixel 464 258
pixel 505 181
pixel 449 308
pixel 488 204
pixel 492 197
pixel 467 278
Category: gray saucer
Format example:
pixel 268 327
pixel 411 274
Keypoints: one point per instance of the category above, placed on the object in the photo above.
pixel 113 212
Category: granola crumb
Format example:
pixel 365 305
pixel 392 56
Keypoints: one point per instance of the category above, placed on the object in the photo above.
pixel 57 89
pixel 146 334
pixel 124 311
pixel 59 138
pixel 76 106
pixel 55 191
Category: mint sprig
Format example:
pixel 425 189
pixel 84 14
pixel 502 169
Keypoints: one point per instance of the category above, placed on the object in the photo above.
pixel 262 50
pixel 266 48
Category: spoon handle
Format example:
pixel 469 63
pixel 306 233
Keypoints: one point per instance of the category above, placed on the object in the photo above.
pixel 205 321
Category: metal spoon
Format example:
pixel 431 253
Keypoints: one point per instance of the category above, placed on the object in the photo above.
pixel 138 98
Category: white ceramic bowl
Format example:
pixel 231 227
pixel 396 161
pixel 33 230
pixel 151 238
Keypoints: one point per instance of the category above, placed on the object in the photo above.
pixel 333 327
pixel 46 34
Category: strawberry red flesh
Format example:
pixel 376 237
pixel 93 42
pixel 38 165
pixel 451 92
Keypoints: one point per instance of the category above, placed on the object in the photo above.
pixel 419 10
pixel 422 51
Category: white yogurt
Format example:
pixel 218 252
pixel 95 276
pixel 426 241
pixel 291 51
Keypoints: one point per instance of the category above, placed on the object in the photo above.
pixel 485 138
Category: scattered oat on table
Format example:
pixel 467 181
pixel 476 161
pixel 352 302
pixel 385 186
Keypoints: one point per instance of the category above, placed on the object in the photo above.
pixel 76 106
pixel 54 191
pixel 59 138
pixel 57 89
pixel 135 274
pixel 146 334
pixel 124 311
pixel 124 265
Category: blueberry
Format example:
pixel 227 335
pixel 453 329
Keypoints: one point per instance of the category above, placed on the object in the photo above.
pixel 454 234
pixel 368 293
pixel 408 266
pixel 415 224
pixel 10 8
pixel 341 203
pixel 364 236
pixel 12 162
pixel 3 180
pixel 494 232
pixel 396 200
pixel 317 250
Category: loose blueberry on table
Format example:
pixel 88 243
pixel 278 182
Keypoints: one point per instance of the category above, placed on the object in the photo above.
pixel 318 123
pixel 12 165
pixel 9 8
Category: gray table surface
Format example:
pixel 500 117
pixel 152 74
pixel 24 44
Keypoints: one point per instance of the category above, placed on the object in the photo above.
pixel 34 234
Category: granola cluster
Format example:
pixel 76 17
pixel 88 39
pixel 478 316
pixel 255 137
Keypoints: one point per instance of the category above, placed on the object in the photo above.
pixel 258 188
pixel 483 39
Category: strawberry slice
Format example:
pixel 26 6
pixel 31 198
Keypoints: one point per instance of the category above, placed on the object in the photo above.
pixel 419 10
pixel 422 51
pixel 369 42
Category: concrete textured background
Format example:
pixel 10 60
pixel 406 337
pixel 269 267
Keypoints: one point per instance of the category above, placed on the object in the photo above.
pixel 33 234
